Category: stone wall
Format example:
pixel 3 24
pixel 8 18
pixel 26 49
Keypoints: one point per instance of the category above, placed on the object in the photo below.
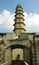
pixel 8 55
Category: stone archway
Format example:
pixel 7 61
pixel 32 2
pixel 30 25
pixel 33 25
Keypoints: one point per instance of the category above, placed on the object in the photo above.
pixel 25 53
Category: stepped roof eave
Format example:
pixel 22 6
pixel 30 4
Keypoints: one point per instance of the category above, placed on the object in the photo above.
pixel 19 10
pixel 19 18
pixel 19 28
pixel 18 23
pixel 19 14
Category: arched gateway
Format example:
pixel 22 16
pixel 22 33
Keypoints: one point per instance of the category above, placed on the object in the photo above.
pixel 18 54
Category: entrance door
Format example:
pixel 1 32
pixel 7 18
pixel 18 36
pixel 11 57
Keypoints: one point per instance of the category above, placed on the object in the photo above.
pixel 17 54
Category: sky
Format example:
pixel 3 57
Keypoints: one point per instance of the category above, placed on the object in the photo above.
pixel 31 14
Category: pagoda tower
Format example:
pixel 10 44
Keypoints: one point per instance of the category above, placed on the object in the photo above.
pixel 19 20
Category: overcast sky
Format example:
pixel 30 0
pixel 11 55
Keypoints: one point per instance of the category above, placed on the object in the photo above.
pixel 31 14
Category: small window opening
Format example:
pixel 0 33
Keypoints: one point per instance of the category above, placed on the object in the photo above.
pixel 18 57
